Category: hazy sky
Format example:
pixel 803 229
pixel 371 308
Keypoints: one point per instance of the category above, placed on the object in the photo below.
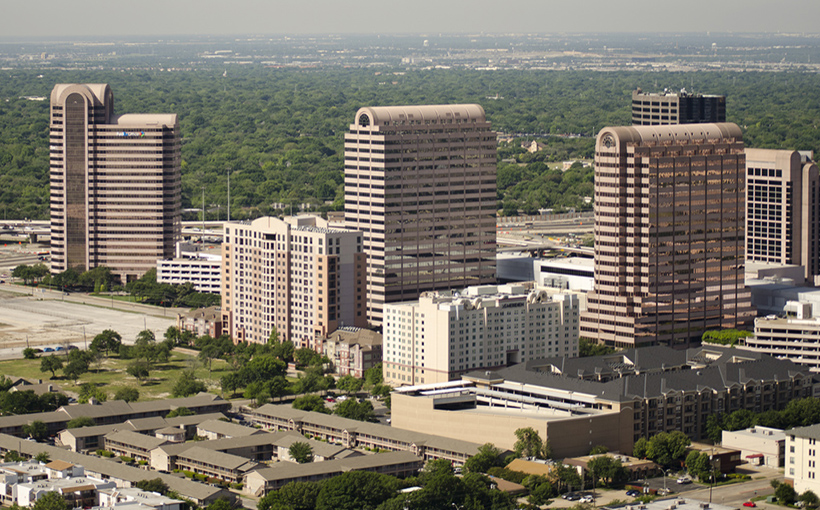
pixel 57 18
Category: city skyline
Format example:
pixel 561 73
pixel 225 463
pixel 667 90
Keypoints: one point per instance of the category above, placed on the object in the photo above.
pixel 369 17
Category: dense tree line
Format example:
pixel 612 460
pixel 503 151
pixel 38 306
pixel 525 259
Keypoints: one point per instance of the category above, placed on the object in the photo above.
pixel 280 131
pixel 356 490
pixel 797 413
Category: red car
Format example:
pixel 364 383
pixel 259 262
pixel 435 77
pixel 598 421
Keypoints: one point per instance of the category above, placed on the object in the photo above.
pixel 750 504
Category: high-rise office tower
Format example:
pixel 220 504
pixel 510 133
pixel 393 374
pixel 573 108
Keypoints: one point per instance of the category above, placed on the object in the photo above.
pixel 782 200
pixel 682 107
pixel 420 183
pixel 296 275
pixel 115 183
pixel 669 240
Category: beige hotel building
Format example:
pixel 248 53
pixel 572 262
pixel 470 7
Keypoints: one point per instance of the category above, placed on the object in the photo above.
pixel 420 183
pixel 115 183
pixel 297 275
pixel 669 235
pixel 782 200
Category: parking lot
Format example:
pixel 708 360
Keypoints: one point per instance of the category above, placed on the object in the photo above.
pixel 30 317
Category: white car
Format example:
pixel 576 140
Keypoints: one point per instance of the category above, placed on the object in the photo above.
pixel 684 480
pixel 586 499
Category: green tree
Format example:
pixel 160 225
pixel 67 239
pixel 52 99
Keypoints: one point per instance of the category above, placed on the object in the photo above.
pixel 488 456
pixel 785 494
pixel 187 384
pixel 273 338
pixel 43 457
pixel 283 351
pixel 349 384
pixel 529 443
pixel 51 364
pixel 128 394
pixel 51 501
pixel 351 409
pixel 301 452
pixel 138 369
pixel 179 411
pixel 36 430
pixel 356 490
pixel 220 504
pixel 305 357
pixel 107 341
pixel 606 470
pixel 587 348
pixel 90 390
pixel 809 499
pixel 640 448
pixel 74 369
pixel 13 456
pixel 310 403
pixel 666 448
pixel 373 376
pixel 153 485
pixel 699 465
pixel 79 422
pixel 29 353
pixel 293 496
pixel 598 449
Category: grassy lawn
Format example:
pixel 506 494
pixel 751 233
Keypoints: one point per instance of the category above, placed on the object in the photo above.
pixel 110 375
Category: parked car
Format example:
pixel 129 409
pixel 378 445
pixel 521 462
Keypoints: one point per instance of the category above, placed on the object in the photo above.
pixel 684 480
pixel 586 499
pixel 59 348
pixel 632 493
pixel 664 492
pixel 330 399
pixel 572 496
pixel 750 504
pixel 48 349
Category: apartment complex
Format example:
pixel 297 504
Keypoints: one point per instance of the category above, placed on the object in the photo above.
pixel 611 400
pixel 353 350
pixel 782 200
pixel 654 109
pixel 115 183
pixel 669 235
pixel 296 275
pixel 420 183
pixel 445 334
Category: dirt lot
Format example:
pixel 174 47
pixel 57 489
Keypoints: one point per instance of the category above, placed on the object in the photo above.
pixel 46 319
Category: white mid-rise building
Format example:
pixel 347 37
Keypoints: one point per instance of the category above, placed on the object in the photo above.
pixel 202 269
pixel 802 455
pixel 445 334
pixel 795 337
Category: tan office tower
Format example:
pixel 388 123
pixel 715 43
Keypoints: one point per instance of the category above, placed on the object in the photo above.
pixel 782 197
pixel 420 183
pixel 669 243
pixel 115 183
pixel 296 275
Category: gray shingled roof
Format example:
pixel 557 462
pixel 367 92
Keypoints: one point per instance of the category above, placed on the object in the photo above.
pixel 655 378
pixel 810 432
pixel 227 429
pixel 284 471
pixel 187 488
pixel 224 460
pixel 326 450
pixel 135 439
pixel 371 429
